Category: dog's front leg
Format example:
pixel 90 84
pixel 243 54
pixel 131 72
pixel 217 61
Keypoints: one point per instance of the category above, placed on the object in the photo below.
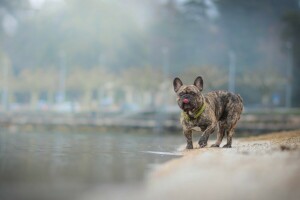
pixel 204 137
pixel 189 138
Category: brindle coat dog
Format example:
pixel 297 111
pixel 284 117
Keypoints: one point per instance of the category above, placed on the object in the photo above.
pixel 215 109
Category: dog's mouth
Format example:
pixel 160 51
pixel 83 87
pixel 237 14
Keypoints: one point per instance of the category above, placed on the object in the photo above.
pixel 187 107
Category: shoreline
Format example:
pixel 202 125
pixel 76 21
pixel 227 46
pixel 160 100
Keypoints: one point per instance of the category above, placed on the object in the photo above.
pixel 259 167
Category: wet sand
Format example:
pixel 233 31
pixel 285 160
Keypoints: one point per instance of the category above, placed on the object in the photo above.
pixel 263 167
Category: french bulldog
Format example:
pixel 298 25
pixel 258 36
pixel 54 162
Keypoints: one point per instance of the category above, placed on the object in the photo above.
pixel 217 110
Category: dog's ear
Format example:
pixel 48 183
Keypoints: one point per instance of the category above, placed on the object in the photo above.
pixel 199 83
pixel 177 83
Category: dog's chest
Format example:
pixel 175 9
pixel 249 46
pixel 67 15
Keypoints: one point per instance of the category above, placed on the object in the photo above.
pixel 199 124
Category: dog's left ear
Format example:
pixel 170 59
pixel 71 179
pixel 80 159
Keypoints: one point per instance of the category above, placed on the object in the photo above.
pixel 199 83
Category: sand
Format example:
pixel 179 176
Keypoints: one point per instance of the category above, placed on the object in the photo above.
pixel 264 167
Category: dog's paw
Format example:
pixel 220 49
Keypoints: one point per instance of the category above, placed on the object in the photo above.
pixel 189 146
pixel 227 146
pixel 202 144
pixel 215 145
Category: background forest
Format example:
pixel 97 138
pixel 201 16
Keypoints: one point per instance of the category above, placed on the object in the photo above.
pixel 109 55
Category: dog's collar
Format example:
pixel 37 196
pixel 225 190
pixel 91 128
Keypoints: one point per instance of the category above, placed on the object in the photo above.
pixel 198 113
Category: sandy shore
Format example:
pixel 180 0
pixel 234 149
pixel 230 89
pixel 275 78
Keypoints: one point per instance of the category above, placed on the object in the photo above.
pixel 263 167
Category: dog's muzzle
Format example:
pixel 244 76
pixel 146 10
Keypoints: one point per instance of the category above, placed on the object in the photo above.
pixel 187 103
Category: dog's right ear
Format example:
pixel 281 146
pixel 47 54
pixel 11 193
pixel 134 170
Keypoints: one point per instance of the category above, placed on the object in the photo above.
pixel 177 83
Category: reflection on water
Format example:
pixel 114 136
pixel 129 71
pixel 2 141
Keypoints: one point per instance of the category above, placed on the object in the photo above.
pixel 84 159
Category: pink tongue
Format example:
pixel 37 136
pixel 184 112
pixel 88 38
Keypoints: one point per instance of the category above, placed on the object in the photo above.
pixel 185 101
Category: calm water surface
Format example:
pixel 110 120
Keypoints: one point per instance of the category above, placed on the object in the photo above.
pixel 55 163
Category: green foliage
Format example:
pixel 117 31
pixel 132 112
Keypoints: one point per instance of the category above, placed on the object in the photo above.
pixel 111 43
pixel 142 78
pixel 215 78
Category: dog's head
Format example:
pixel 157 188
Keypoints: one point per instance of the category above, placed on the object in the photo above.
pixel 189 96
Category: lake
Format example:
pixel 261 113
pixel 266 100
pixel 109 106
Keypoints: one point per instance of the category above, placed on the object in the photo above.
pixel 54 165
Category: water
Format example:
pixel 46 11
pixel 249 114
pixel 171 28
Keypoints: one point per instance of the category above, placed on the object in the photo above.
pixel 59 165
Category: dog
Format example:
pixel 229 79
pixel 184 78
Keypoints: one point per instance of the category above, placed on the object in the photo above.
pixel 220 109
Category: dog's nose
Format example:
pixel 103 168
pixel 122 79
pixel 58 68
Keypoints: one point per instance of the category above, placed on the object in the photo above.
pixel 185 101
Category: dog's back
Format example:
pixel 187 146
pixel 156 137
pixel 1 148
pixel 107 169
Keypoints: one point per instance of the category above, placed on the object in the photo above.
pixel 223 103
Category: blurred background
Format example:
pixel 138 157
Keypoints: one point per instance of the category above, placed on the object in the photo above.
pixel 112 56
pixel 71 69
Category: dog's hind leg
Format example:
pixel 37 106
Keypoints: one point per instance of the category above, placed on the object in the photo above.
pixel 229 134
pixel 234 110
pixel 220 135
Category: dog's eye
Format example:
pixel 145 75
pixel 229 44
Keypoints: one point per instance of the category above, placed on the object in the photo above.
pixel 181 93
pixel 192 93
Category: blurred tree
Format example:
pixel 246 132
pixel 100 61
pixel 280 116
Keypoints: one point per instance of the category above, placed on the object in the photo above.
pixel 82 84
pixel 252 29
pixel 145 78
pixel 214 78
pixel 36 82
pixel 266 81
pixel 12 7
pixel 88 33
pixel 141 84
pixel 125 36
pixel 190 41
